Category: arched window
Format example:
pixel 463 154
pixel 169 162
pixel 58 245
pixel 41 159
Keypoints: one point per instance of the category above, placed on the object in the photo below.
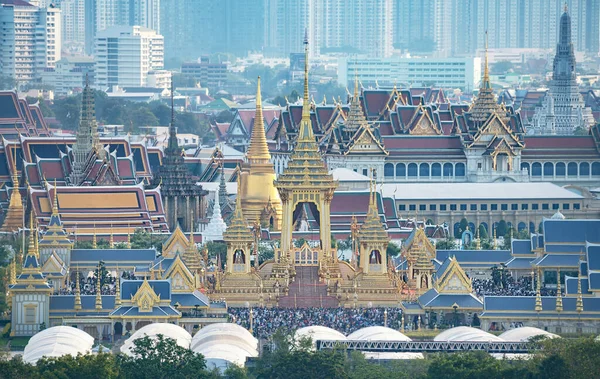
pixel 375 257
pixel 531 227
pixel 239 257
pixel 424 170
pixel 548 169
pixel 584 169
pixel 561 169
pixel 525 166
pixel 448 170
pixel 460 169
pixel 596 169
pixel 388 170
pixel 400 170
pixel 521 226
pixel 436 170
pixel 536 169
pixel 572 169
pixel 412 170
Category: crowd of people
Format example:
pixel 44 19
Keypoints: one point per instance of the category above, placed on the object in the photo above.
pixel 87 285
pixel 266 321
pixel 508 287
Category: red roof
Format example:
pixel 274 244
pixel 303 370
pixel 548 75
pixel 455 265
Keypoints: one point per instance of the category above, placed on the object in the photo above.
pixel 559 142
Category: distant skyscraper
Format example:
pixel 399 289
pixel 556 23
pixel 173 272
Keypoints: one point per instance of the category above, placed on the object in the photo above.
pixel 145 13
pixel 125 54
pixel 285 22
pixel 73 21
pixel 30 39
pixel 414 21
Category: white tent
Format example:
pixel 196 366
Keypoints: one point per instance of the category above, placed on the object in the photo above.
pixel 56 342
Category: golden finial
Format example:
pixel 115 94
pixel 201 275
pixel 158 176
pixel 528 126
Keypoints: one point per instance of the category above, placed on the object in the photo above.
pixel 55 203
pixel 94 240
pixel 258 149
pixel 192 243
pixel 98 289
pixel 324 100
pixel 77 305
pixel 31 250
pixel 118 289
pixel 559 303
pixel 128 236
pixel 538 294
pixel 486 72
pixel 477 240
pixel 13 271
pixel 112 238
pixel 579 303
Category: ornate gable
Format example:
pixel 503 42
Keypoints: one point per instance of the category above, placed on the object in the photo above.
pixel 366 142
pixel 419 244
pixel 454 279
pixel 495 127
pixel 53 265
pixel 177 243
pixel 145 298
pixel 182 279
pixel 424 126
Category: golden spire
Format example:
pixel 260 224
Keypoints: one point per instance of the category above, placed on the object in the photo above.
pixel 538 294
pixel 258 150
pixel 559 303
pixel 98 290
pixel 94 240
pixel 77 306
pixel 112 238
pixel 486 71
pixel 118 290
pixel 55 202
pixel 128 237
pixel 238 228
pixel 31 249
pixel 37 239
pixel 306 132
pixel 477 240
pixel 192 243
pixel 494 236
pixel 15 179
pixel 13 271
pixel 579 303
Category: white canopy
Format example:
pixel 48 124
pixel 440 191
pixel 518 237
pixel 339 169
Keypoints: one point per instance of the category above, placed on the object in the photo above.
pixel 176 332
pixel 222 342
pixel 525 333
pixel 466 334
pixel 381 333
pixel 56 342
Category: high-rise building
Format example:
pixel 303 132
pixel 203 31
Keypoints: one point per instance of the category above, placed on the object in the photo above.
pixel 30 39
pixel 592 42
pixel 285 22
pixel 73 22
pixel 145 13
pixel 125 54
pixel 413 22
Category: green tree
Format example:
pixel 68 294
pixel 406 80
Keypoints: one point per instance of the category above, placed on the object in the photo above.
pixel 501 228
pixel 161 111
pixel 67 112
pixel 392 249
pixel 15 368
pixel 217 250
pixel 89 366
pixel 501 67
pixel 483 234
pixel 447 244
pixel 161 357
pixel 265 253
pixel 143 116
pixel 46 110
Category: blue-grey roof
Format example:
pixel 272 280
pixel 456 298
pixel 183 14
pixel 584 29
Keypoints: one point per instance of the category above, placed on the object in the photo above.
pixel 133 256
pixel 443 268
pixel 161 287
pixel 408 305
pixel 570 248
pixel 593 257
pixel 162 263
pixel 519 263
pixel 88 302
pixel 583 267
pixel 558 260
pixel 577 231
pixel 447 300
pixel 428 296
pixel 156 311
pixel 594 278
pixel 481 257
pixel 521 246
pixel 527 304
pixel 190 299
pixel 571 286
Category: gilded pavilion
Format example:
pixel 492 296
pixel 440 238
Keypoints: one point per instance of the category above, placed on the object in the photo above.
pixel 304 184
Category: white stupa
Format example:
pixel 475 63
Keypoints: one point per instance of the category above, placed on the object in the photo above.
pixel 216 226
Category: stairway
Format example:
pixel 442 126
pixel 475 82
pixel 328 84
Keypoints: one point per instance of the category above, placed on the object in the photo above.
pixel 307 291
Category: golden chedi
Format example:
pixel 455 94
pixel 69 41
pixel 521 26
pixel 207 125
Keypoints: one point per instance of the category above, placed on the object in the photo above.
pixel 260 198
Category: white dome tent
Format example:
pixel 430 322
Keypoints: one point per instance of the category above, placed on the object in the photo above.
pixel 176 332
pixel 381 333
pixel 223 344
pixel 523 334
pixel 317 332
pixel 56 342
pixel 466 334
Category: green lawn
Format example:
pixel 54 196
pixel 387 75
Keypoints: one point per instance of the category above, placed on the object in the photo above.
pixel 18 343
